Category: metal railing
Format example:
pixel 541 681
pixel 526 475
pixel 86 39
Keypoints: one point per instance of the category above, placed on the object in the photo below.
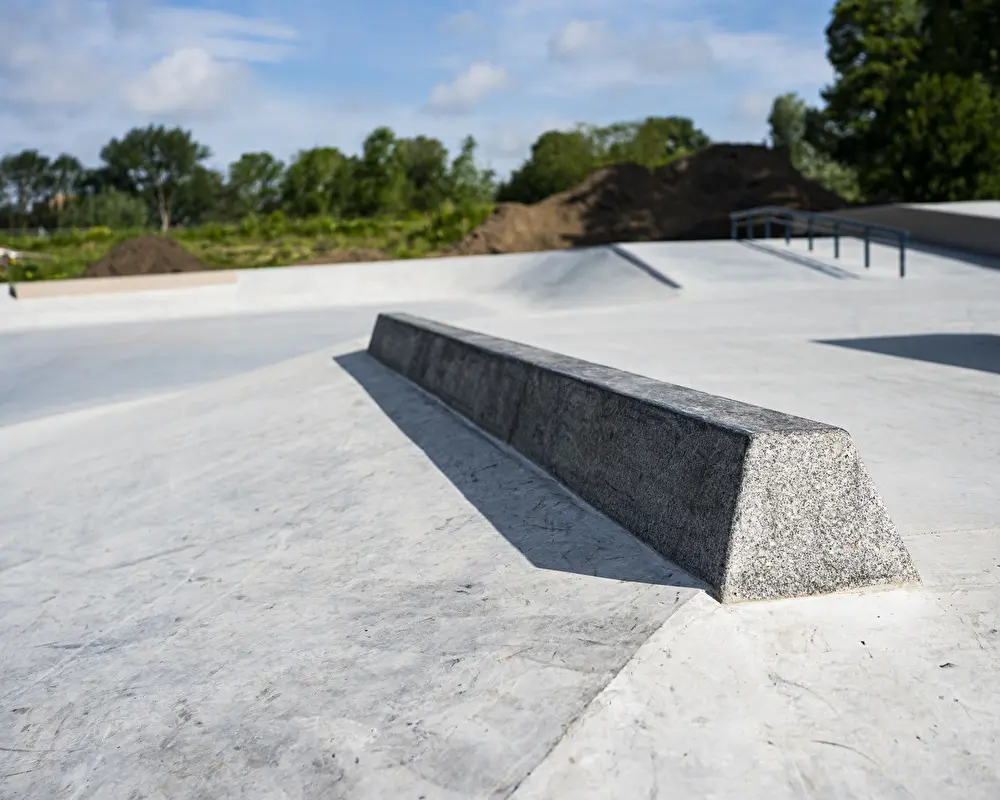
pixel 813 224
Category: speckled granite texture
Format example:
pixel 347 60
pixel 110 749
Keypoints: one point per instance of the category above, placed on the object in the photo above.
pixel 756 503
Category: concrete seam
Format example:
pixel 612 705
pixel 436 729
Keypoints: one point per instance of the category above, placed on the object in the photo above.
pixel 692 610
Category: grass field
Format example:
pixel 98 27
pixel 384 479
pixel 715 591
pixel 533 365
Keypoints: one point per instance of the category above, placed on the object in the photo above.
pixel 268 241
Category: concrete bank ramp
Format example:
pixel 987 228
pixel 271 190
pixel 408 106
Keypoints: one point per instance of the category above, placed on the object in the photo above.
pixel 708 265
pixel 597 276
pixel 756 503
pixel 562 278
pixel 530 281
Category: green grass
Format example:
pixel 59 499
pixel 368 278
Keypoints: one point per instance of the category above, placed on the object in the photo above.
pixel 254 242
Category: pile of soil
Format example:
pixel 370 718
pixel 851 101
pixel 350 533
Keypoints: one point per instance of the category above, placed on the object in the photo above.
pixel 690 198
pixel 145 255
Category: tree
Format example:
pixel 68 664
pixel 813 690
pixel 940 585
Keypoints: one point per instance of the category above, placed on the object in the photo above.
pixel 466 183
pixel 787 122
pixel 559 161
pixel 66 175
pixel 424 162
pixel 946 146
pixel 874 47
pixel 893 57
pixel 110 208
pixel 254 183
pixel 155 162
pixel 379 176
pixel 651 142
pixel 27 175
pixel 962 37
pixel 318 181
pixel 199 199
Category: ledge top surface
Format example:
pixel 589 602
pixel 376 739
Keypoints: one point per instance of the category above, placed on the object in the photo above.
pixel 721 411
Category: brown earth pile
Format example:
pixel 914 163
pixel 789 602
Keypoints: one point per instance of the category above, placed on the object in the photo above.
pixel 144 255
pixel 690 198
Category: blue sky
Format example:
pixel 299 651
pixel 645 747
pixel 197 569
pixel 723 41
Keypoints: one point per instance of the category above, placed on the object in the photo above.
pixel 280 75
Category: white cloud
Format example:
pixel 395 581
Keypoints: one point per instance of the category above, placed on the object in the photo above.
pixel 461 95
pixel 74 73
pixel 189 80
pixel 580 39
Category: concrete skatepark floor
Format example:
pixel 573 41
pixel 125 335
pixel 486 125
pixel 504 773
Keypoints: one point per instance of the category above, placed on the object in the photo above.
pixel 241 559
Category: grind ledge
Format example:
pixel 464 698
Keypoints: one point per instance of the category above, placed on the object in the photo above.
pixel 756 503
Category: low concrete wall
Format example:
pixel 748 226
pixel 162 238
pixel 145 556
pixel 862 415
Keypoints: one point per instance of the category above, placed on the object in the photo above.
pixel 952 229
pixel 756 503
pixel 73 287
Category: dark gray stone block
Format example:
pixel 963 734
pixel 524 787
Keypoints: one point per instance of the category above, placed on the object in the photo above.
pixel 756 503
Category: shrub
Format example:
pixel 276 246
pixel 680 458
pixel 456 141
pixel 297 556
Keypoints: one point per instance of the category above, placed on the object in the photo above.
pixel 98 233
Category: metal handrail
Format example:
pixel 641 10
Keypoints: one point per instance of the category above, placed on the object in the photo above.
pixel 816 223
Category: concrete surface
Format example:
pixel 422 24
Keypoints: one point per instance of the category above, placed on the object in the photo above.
pixel 974 226
pixel 291 576
pixel 758 504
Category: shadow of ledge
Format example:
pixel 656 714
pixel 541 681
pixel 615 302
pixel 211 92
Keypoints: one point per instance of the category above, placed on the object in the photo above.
pixel 549 526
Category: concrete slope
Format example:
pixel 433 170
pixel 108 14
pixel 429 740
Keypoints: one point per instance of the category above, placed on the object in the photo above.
pixel 53 371
pixel 305 580
pixel 533 281
pixel 597 276
pixel 710 265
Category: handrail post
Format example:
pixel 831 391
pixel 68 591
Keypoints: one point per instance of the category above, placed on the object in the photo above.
pixel 809 231
pixel 868 248
pixel 750 226
pixel 836 240
pixel 902 255
pixel 788 229
pixel 732 228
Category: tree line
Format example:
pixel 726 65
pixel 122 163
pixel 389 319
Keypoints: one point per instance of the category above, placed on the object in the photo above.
pixel 157 175
pixel 913 114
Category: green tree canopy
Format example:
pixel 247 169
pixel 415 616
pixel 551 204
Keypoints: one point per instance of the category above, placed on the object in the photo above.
pixel 425 164
pixel 199 199
pixel 651 142
pixel 946 145
pixel 559 161
pixel 155 162
pixel 27 177
pixel 254 184
pixel 466 183
pixel 787 122
pixel 317 181
pixel 110 208
pixel 913 104
pixel 380 182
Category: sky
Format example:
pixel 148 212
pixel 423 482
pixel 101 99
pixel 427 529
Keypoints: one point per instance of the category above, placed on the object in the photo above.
pixel 281 75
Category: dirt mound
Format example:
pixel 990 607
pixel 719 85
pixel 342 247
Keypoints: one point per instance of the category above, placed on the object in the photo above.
pixel 144 255
pixel 690 198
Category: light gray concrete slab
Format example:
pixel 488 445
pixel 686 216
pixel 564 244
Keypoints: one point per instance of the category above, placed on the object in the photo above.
pixel 356 596
pixel 302 580
pixel 978 208
pixel 56 370
pixel 526 281
pixel 888 696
